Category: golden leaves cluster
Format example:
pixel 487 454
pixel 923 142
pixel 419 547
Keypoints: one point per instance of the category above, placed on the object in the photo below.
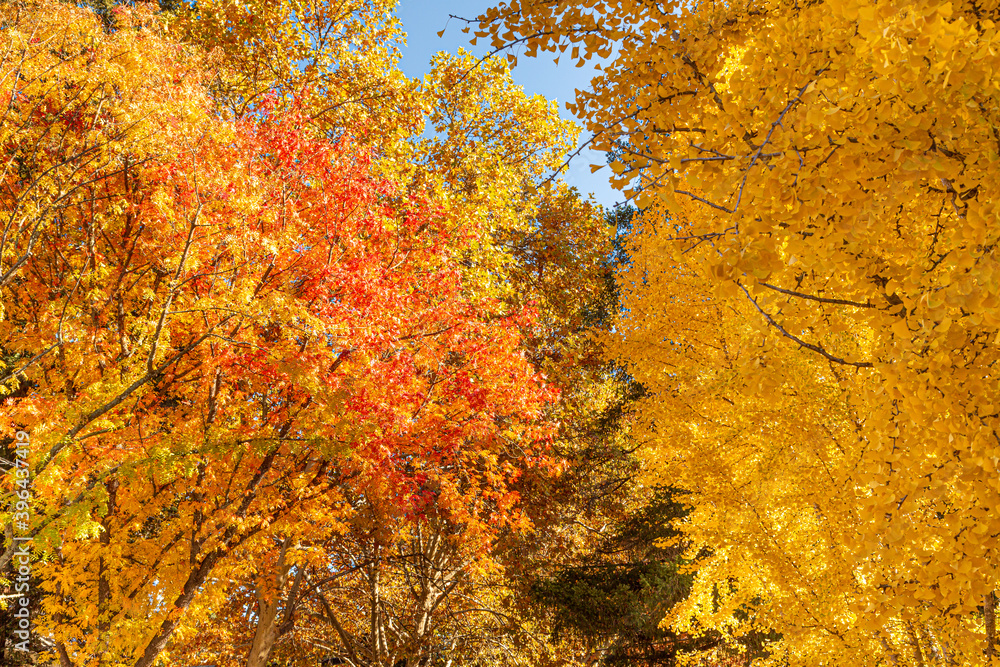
pixel 819 235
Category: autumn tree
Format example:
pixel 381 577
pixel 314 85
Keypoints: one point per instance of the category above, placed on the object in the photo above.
pixel 261 333
pixel 820 175
pixel 338 61
pixel 244 319
pixel 435 582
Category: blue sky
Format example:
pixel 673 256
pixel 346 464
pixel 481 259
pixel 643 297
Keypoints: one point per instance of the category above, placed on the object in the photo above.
pixel 422 20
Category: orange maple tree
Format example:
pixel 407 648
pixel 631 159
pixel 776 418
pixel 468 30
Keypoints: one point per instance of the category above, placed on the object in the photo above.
pixel 216 330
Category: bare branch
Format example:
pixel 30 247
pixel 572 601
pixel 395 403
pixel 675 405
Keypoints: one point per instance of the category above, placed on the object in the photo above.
pixel 820 299
pixel 809 346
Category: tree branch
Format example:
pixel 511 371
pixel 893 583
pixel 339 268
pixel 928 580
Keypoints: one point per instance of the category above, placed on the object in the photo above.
pixel 809 346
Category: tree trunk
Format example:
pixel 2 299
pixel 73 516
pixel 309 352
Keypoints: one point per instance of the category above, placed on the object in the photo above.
pixel 376 572
pixel 268 630
pixel 267 614
pixel 103 583
pixel 194 582
pixel 918 655
pixel 989 616
pixel 946 656
pixel 64 660
pixel 345 638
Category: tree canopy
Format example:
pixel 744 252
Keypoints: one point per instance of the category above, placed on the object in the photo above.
pixel 810 303
pixel 321 362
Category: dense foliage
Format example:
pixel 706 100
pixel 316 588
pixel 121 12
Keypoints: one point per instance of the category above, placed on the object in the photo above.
pixel 292 373
pixel 811 303
pixel 319 362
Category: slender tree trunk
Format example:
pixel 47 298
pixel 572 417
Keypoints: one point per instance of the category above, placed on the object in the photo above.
pixel 933 653
pixel 268 629
pixel 103 583
pixel 989 616
pixel 451 652
pixel 946 656
pixel 64 660
pixel 198 575
pixel 267 613
pixel 345 638
pixel 194 582
pixel 376 629
pixel 918 655
pixel 103 576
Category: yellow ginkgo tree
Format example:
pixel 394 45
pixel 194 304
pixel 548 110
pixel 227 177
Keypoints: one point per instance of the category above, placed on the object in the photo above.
pixel 824 173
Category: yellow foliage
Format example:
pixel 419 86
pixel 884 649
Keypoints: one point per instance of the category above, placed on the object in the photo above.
pixel 813 302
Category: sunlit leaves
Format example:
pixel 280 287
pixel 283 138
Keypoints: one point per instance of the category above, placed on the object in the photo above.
pixel 820 175
pixel 222 324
